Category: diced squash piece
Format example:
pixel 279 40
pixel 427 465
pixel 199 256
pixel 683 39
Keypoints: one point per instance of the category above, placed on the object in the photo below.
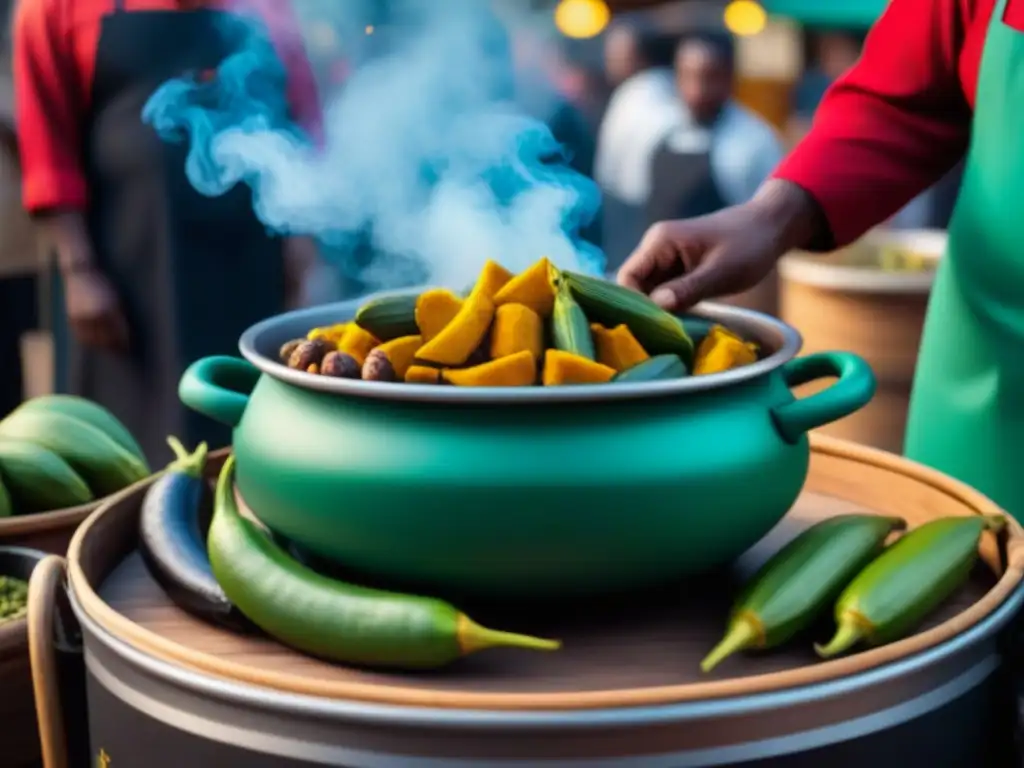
pixel 422 374
pixel 617 347
pixel 722 350
pixel 517 328
pixel 493 277
pixel 565 368
pixel 434 310
pixel 357 342
pixel 518 370
pixel 391 360
pixel 461 337
pixel 332 334
pixel 532 288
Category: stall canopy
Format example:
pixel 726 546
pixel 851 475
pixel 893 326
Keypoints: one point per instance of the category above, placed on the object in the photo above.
pixel 828 13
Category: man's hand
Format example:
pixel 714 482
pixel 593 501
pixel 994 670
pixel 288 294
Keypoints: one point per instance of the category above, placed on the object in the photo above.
pixel 680 263
pixel 93 308
pixel 94 311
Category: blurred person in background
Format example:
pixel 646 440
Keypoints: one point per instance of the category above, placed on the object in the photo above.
pixel 152 274
pixel 720 152
pixel 18 250
pixel 544 88
pixel 582 81
pixel 642 107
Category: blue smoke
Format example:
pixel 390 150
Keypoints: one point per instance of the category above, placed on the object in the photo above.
pixel 427 157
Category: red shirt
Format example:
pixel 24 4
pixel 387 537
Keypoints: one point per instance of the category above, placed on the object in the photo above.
pixel 896 122
pixel 54 57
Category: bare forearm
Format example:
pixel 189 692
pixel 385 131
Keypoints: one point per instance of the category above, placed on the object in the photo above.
pixel 792 214
pixel 64 233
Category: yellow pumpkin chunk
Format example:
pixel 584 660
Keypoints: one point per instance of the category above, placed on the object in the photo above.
pixel 332 334
pixel 461 337
pixel 493 277
pixel 722 350
pixel 434 310
pixel 517 328
pixel 561 368
pixel 357 343
pixel 518 370
pixel 532 288
pixel 422 374
pixel 617 347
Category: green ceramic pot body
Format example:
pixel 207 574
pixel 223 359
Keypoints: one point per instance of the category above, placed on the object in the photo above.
pixel 520 495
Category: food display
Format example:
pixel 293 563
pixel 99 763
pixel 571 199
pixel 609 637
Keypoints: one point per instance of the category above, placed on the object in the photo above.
pixel 13 598
pixel 879 595
pixel 870 253
pixel 331 619
pixel 543 326
pixel 172 538
pixel 60 451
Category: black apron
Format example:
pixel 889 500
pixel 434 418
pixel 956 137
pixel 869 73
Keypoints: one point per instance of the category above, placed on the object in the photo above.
pixel 192 272
pixel 682 184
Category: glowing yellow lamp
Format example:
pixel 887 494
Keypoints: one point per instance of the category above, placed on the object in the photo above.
pixel 745 18
pixel 581 19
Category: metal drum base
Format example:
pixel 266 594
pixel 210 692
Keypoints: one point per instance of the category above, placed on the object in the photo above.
pixel 134 722
pixel 166 690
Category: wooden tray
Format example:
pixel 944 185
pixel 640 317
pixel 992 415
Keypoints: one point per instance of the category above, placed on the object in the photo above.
pixel 629 652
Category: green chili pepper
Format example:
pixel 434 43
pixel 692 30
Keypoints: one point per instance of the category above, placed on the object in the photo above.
pixel 898 590
pixel 793 588
pixel 329 618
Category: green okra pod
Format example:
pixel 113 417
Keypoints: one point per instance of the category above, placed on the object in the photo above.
pixel 898 590
pixel 799 582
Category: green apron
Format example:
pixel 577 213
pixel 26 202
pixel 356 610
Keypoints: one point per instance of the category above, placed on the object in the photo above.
pixel 967 410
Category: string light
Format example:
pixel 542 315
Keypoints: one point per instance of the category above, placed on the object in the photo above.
pixel 581 19
pixel 745 18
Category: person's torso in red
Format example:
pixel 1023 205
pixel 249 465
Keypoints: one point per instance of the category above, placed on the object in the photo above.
pixel 55 45
pixel 900 119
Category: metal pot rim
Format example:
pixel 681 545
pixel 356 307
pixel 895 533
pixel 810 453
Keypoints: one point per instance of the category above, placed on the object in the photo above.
pixel 260 342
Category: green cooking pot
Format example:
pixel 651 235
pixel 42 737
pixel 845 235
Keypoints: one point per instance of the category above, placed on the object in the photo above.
pixel 524 492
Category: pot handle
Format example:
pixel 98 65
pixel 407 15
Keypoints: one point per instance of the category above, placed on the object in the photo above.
pixel 853 390
pixel 219 387
pixel 58 671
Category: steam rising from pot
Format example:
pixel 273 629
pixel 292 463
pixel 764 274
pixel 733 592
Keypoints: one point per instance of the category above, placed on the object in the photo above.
pixel 426 155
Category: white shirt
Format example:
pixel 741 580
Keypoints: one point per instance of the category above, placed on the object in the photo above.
pixel 639 114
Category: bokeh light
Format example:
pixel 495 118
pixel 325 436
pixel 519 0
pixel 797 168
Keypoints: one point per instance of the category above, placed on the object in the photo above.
pixel 745 17
pixel 581 19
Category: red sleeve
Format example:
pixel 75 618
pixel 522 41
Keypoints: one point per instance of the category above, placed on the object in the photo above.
pixel 893 125
pixel 286 36
pixel 47 102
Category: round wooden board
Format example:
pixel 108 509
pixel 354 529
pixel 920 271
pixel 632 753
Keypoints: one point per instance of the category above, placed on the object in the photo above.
pixel 633 652
pixel 624 648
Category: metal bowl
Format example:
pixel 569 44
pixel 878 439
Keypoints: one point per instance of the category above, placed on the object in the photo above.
pixel 778 341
